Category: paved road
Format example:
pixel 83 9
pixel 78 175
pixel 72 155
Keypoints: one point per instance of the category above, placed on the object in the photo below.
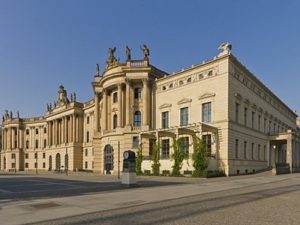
pixel 94 199
pixel 272 203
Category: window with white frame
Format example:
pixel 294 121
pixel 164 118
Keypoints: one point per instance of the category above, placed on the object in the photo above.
pixel 206 112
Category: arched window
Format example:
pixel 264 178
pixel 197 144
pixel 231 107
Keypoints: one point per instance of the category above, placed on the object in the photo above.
pixel 115 121
pixel 189 80
pixel 137 119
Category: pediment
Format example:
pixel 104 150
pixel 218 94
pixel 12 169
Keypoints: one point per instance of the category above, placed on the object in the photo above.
pixel 165 105
pixel 207 95
pixel 184 100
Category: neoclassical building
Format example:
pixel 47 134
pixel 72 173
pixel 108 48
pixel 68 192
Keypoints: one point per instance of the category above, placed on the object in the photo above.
pixel 247 128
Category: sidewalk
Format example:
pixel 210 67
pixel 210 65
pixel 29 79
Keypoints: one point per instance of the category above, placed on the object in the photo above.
pixel 21 212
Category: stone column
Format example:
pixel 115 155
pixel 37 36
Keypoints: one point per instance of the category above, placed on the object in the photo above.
pixel 120 105
pixel 289 150
pixel 13 135
pixel 104 110
pixel 96 126
pixel 74 129
pixel 127 102
pixel 145 102
pixel 2 139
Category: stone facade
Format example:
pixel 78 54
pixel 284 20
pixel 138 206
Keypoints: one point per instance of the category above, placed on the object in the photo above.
pixel 246 126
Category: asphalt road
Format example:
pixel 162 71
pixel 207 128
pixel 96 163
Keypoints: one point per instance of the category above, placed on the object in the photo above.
pixel 27 187
pixel 273 203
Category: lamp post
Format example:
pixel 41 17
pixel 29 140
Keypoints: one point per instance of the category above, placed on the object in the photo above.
pixel 36 163
pixel 66 162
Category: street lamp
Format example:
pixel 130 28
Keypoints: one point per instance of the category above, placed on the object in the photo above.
pixel 36 163
pixel 66 162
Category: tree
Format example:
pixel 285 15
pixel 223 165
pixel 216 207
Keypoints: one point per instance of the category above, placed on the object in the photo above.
pixel 139 160
pixel 155 158
pixel 200 157
pixel 178 156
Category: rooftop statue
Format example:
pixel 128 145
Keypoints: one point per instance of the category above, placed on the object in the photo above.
pixel 128 53
pixel 146 52
pixel 111 58
pixel 225 49
pixel 97 70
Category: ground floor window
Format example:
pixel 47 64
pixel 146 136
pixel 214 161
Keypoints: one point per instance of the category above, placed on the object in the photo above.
pixel 86 164
pixel 135 142
pixel 165 148
pixel 185 145
pixel 207 139
pixel 26 165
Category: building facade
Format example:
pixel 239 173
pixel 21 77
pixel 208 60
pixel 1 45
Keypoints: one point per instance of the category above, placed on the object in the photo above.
pixel 247 128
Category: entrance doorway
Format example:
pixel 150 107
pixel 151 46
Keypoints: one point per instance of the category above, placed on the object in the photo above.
pixel 57 162
pixel 50 163
pixel 108 158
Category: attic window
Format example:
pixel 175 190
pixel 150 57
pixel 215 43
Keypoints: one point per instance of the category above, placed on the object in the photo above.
pixel 181 82
pixel 210 73
pixel 189 80
pixel 201 76
pixel 171 85
pixel 164 88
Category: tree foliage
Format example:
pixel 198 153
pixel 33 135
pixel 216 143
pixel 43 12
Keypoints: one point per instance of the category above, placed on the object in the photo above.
pixel 178 156
pixel 155 159
pixel 200 157
pixel 139 160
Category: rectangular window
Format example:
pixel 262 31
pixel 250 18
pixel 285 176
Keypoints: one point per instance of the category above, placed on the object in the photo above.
pixel 115 97
pixel 185 145
pixel 36 131
pixel 135 142
pixel 45 143
pixel 36 143
pixel 245 149
pixel 87 120
pixel 26 165
pixel 265 125
pixel 245 116
pixel 237 112
pixel 258 122
pixel 252 151
pixel 44 155
pixel 35 155
pixel 207 139
pixel 165 120
pixel 87 136
pixel 206 112
pixel 86 152
pixel 236 148
pixel 151 145
pixel 265 153
pixel 252 119
pixel 44 165
pixel 165 148
pixel 184 116
pixel 86 164
pixel 137 93
pixel 258 151
pixel 270 124
pixel 45 130
pixel 13 165
pixel 26 156
pixel 13 155
pixel 35 165
pixel 27 131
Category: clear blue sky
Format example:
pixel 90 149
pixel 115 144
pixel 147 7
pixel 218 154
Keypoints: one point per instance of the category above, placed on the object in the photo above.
pixel 47 43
